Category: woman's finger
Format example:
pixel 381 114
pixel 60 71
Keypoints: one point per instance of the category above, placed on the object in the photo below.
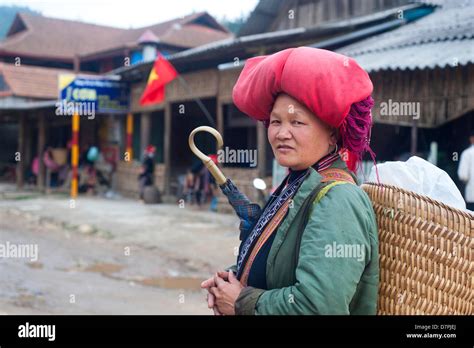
pixel 216 311
pixel 223 274
pixel 207 283
pixel 232 277
pixel 234 280
pixel 218 281
pixel 216 292
pixel 210 300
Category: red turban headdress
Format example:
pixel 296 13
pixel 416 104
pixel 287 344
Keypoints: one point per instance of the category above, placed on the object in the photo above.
pixel 327 83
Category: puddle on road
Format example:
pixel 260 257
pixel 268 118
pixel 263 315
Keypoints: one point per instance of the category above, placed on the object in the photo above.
pixel 27 300
pixel 105 268
pixel 35 265
pixel 185 283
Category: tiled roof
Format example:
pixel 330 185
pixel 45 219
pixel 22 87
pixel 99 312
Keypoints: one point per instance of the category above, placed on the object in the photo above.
pixel 63 39
pixel 31 82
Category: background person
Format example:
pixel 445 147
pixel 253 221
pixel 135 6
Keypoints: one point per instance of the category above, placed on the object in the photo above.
pixel 466 172
pixel 145 178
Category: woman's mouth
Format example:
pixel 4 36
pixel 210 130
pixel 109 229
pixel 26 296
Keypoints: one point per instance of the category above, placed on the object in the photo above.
pixel 284 148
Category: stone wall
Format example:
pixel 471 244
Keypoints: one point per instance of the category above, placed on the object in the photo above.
pixel 126 183
pixel 126 178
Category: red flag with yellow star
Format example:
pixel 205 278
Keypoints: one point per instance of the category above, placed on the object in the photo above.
pixel 161 74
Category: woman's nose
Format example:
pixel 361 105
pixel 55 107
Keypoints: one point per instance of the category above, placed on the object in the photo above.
pixel 283 133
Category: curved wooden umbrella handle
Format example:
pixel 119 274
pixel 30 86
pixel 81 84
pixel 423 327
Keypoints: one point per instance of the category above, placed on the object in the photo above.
pixel 213 169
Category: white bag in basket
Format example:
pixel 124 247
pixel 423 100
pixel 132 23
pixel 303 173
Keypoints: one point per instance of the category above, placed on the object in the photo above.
pixel 422 177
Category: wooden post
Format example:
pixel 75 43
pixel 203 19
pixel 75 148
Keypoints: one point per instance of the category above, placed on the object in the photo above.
pixel 40 181
pixel 414 138
pixel 220 117
pixel 167 148
pixel 20 156
pixel 261 149
pixel 26 157
pixel 75 140
pixel 129 147
pixel 76 63
pixel 145 130
pixel 47 189
pixel 75 155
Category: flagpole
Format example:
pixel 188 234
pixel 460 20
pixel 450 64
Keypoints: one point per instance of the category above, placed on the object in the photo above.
pixel 197 100
pixel 75 155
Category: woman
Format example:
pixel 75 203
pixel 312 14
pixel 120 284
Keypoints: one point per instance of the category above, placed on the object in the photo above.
pixel 314 249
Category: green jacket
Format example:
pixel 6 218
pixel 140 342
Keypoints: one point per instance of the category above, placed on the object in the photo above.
pixel 337 269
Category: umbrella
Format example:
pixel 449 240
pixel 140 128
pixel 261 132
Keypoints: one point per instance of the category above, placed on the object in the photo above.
pixel 247 211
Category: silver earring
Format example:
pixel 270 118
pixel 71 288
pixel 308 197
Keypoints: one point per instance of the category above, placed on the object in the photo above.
pixel 335 150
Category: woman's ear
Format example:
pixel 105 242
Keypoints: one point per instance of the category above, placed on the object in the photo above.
pixel 333 136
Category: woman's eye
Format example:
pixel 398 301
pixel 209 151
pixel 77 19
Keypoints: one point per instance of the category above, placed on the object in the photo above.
pixel 275 122
pixel 298 122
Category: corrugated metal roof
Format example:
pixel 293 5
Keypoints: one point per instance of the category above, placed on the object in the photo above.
pixel 445 37
pixel 430 55
pixel 281 34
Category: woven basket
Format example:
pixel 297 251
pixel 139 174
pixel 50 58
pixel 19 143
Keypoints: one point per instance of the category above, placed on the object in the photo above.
pixel 426 253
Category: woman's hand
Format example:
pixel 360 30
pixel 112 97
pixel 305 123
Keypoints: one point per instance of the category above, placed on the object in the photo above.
pixel 208 284
pixel 226 293
pixel 211 300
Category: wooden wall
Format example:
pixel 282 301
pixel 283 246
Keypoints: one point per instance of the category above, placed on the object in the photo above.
pixel 444 94
pixel 202 84
pixel 309 13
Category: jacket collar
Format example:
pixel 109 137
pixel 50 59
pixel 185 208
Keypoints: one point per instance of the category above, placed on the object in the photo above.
pixel 308 185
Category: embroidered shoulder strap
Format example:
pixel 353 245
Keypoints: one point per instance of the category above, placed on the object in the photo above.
pixel 331 177
pixel 336 174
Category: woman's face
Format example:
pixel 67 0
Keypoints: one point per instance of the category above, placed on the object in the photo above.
pixel 298 138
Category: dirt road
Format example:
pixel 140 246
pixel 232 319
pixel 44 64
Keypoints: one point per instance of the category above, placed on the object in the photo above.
pixel 77 273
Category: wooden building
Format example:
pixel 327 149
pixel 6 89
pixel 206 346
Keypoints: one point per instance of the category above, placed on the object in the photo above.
pixel 429 66
pixel 415 51
pixel 37 49
pixel 212 70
